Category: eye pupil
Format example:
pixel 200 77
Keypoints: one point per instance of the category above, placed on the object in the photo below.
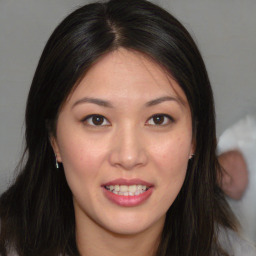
pixel 158 119
pixel 97 120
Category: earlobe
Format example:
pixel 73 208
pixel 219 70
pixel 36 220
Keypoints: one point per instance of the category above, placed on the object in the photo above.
pixel 55 148
pixel 191 156
pixel 192 151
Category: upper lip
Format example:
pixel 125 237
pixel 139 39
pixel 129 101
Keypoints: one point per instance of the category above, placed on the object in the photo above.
pixel 127 182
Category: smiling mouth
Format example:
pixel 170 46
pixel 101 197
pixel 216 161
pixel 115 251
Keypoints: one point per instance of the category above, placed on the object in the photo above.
pixel 124 190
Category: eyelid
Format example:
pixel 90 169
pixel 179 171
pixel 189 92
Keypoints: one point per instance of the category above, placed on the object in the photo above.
pixel 107 123
pixel 85 120
pixel 171 119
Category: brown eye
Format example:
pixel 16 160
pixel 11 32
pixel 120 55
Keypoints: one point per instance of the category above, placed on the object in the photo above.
pixel 159 119
pixel 96 120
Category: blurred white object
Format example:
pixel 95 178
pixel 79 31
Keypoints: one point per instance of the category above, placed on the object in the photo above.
pixel 232 243
pixel 242 136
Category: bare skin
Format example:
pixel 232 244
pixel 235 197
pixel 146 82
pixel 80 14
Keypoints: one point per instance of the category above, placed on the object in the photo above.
pixel 235 176
pixel 127 123
pixel 94 243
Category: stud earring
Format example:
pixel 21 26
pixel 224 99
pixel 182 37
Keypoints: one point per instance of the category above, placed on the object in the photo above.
pixel 56 163
pixel 191 156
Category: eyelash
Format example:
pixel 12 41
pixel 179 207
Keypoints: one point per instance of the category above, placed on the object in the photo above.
pixel 165 116
pixel 104 120
pixel 85 120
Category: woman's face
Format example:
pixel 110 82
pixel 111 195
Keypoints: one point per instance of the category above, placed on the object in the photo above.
pixel 124 138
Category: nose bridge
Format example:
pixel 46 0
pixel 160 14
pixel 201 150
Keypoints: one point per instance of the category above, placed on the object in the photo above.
pixel 128 149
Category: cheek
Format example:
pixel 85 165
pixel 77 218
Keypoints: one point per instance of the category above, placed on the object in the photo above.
pixel 171 161
pixel 81 157
pixel 172 152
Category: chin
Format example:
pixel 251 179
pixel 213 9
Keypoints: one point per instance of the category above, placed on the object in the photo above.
pixel 133 224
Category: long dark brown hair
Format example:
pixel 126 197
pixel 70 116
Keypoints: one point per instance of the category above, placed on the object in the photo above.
pixel 37 215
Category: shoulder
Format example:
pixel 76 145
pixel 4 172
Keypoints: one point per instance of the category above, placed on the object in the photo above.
pixel 234 244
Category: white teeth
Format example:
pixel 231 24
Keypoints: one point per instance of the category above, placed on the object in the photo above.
pixel 132 190
pixel 124 188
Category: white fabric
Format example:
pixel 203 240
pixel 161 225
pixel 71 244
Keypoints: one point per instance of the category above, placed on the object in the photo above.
pixel 242 136
pixel 235 245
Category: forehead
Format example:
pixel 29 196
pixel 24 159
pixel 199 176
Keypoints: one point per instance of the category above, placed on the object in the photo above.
pixel 123 74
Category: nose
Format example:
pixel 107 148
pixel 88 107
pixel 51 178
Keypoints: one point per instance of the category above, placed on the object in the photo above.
pixel 128 149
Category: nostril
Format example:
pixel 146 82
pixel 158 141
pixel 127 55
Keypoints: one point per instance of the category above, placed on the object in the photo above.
pixel 127 160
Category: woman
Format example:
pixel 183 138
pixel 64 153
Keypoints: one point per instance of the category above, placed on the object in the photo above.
pixel 120 142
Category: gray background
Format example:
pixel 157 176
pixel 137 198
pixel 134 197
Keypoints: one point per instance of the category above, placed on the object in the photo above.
pixel 225 31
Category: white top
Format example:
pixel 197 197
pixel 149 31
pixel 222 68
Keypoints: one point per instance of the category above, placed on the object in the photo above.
pixel 235 245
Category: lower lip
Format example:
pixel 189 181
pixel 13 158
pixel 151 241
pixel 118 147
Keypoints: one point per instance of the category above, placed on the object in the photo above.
pixel 128 201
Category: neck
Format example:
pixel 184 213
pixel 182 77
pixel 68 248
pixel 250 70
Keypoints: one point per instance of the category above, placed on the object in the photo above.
pixel 97 241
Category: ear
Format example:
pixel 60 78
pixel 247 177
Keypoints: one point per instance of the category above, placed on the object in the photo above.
pixel 55 147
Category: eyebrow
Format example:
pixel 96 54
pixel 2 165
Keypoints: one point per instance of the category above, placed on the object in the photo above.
pixel 163 99
pixel 107 104
pixel 96 101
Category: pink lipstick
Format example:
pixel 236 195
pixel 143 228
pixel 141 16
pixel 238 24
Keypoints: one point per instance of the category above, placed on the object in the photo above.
pixel 127 193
